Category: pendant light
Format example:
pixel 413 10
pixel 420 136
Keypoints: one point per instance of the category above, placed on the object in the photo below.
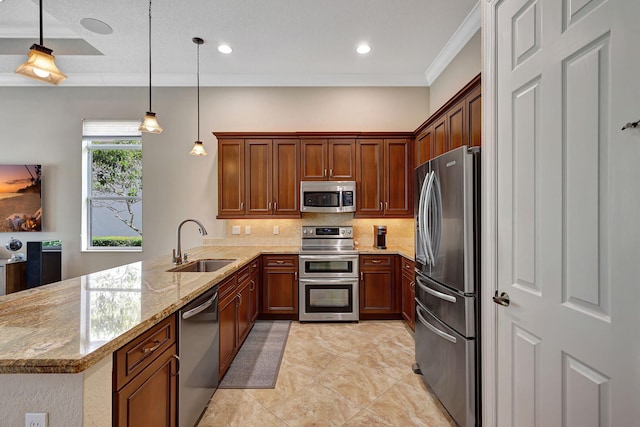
pixel 198 148
pixel 150 123
pixel 40 63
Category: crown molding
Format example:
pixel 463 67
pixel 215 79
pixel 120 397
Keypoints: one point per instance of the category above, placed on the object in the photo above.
pixel 463 34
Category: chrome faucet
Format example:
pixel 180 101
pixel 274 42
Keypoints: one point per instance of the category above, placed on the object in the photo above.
pixel 177 252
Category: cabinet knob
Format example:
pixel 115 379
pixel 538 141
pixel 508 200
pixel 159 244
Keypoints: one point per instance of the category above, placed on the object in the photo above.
pixel 376 261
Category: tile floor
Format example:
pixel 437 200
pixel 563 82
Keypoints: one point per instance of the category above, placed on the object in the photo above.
pixel 337 374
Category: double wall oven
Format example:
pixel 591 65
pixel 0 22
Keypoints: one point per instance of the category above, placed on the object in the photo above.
pixel 328 275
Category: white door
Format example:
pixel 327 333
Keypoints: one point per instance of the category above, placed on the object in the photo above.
pixel 563 78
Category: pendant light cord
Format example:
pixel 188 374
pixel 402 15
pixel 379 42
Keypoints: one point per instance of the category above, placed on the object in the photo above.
pixel 198 92
pixel 149 55
pixel 41 38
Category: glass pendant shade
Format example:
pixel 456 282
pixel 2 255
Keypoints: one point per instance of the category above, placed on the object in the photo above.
pixel 198 149
pixel 150 123
pixel 41 66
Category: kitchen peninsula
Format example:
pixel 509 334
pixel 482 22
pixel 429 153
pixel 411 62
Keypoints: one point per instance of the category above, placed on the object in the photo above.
pixel 58 340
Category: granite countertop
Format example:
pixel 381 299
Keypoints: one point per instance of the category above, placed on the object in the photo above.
pixel 68 326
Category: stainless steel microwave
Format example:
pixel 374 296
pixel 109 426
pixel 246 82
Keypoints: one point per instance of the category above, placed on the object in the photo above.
pixel 328 196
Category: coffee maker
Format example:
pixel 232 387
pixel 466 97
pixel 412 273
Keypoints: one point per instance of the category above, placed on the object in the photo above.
pixel 380 236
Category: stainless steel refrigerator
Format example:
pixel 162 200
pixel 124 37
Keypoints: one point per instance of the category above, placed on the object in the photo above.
pixel 447 331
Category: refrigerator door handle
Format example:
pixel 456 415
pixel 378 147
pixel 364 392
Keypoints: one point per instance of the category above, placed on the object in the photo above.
pixel 437 222
pixel 428 231
pixel 432 328
pixel 422 216
pixel 435 293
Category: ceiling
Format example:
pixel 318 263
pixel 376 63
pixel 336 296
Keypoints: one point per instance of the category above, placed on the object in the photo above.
pixel 275 42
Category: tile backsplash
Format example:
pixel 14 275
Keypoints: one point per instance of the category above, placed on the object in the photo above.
pixel 399 230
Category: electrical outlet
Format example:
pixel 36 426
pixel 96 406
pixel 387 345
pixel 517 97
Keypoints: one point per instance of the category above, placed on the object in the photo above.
pixel 247 229
pixel 276 229
pixel 36 419
pixel 235 229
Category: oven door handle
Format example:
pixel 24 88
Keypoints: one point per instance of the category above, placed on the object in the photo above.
pixel 329 281
pixel 327 257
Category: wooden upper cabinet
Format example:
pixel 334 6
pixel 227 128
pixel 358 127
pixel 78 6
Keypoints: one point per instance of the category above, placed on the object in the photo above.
pixel 398 179
pixel 457 125
pixel 384 172
pixel 258 171
pixel 440 139
pixel 313 159
pixel 424 146
pixel 474 113
pixel 328 159
pixel 458 122
pixel 231 177
pixel 342 159
pixel 286 176
pixel 369 177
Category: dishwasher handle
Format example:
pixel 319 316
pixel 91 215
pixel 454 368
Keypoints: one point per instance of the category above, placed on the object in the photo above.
pixel 199 309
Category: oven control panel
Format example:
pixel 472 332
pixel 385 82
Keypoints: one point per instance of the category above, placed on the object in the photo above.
pixel 327 232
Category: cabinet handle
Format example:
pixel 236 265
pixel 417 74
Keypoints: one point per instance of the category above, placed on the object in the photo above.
pixel 295 275
pixel 178 363
pixel 376 261
pixel 269 206
pixel 279 261
pixel 361 276
pixel 239 299
pixel 386 206
pixel 147 350
pixel 254 265
pixel 330 172
pixel 380 205
pixel 275 206
pixel 407 266
pixel 252 286
pixel 241 205
pixel 325 173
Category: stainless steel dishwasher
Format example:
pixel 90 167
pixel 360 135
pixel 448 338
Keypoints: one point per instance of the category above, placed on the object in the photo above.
pixel 198 343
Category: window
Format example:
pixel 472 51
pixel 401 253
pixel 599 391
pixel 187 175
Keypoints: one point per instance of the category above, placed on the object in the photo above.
pixel 112 185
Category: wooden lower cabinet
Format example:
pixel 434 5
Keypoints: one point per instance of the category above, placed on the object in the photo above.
pixel 280 284
pixel 408 292
pixel 378 291
pixel 145 379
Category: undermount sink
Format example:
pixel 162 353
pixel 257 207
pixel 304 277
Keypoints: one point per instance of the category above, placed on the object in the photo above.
pixel 202 265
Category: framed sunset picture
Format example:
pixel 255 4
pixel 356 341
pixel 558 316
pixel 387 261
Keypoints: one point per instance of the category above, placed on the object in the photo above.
pixel 20 198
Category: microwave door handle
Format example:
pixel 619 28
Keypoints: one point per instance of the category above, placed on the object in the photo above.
pixel 433 329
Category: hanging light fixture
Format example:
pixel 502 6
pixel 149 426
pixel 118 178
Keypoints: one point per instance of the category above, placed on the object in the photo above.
pixel 198 147
pixel 40 63
pixel 150 123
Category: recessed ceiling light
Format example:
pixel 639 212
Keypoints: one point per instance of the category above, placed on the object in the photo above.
pixel 363 48
pixel 96 26
pixel 225 48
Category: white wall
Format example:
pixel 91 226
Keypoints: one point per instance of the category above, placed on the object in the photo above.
pixel 464 67
pixel 43 125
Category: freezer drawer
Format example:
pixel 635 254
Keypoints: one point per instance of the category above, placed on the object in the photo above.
pixel 448 364
pixel 456 310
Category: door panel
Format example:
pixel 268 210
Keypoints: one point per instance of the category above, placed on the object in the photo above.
pixel 342 159
pixel 370 178
pixel 398 178
pixel 566 80
pixel 314 159
pixel 258 176
pixel 286 161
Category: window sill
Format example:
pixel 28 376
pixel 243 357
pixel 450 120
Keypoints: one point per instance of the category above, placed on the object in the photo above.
pixel 112 250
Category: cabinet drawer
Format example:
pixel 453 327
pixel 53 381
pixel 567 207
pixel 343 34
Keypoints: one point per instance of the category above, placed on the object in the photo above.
pixel 227 286
pixel 376 260
pixel 408 267
pixel 133 357
pixel 271 261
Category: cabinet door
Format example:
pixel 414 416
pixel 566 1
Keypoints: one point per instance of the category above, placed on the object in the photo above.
pixel 474 113
pixel 16 276
pixel 231 177
pixel 370 176
pixel 376 284
pixel 408 293
pixel 254 293
pixel 398 179
pixel 457 126
pixel 440 140
pixel 424 146
pixel 243 314
pixel 342 159
pixel 280 292
pixel 149 399
pixel 258 176
pixel 228 332
pixel 286 171
pixel 314 162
